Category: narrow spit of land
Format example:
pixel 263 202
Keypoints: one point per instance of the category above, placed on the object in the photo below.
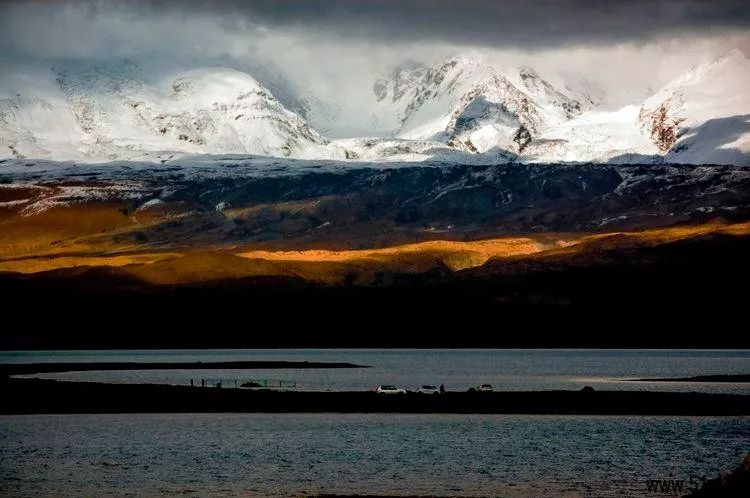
pixel 9 369
pixel 739 378
pixel 28 396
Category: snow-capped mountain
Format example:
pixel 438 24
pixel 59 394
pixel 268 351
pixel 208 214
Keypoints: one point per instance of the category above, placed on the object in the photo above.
pixel 34 127
pixel 113 112
pixel 464 104
pixel 583 91
pixel 393 92
pixel 702 116
pixel 461 109
pixel 400 83
pixel 321 110
pixel 379 149
pixel 547 96
pixel 595 136
pixel 467 104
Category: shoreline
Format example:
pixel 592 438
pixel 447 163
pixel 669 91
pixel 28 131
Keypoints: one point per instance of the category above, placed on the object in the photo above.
pixel 9 369
pixel 37 396
pixel 728 378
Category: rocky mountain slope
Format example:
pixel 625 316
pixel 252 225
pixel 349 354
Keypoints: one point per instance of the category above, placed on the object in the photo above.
pixel 235 199
pixel 703 116
pixel 700 117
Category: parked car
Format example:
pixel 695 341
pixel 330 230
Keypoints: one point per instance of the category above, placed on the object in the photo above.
pixel 389 390
pixel 428 390
pixel 482 388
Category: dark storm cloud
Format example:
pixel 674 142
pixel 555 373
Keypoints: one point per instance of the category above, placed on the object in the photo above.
pixel 533 23
pixel 526 23
pixel 336 48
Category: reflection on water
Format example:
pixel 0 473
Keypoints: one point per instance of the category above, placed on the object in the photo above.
pixel 506 369
pixel 263 454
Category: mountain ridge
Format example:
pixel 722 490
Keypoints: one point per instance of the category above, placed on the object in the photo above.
pixel 457 110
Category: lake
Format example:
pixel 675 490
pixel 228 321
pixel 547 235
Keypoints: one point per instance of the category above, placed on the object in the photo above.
pixel 297 454
pixel 458 369
pixel 293 454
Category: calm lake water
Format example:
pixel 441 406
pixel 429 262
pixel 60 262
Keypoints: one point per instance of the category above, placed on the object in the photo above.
pixel 505 369
pixel 293 454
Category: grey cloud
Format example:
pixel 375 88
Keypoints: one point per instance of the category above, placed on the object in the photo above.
pixel 528 23
pixel 337 47
pixel 533 23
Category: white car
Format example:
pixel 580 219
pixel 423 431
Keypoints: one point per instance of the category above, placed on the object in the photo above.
pixel 428 390
pixel 389 390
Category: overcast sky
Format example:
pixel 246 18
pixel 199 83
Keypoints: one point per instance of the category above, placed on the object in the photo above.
pixel 337 46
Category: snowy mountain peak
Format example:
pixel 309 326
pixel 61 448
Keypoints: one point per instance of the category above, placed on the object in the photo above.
pixel 208 87
pixel 528 73
pixel 403 79
pixel 465 102
pixel 723 65
pixel 696 116
pixel 547 96
pixel 117 114
pixel 460 109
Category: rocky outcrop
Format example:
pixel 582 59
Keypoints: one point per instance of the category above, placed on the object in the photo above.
pixel 663 128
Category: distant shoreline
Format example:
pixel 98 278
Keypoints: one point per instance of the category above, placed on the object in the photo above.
pixel 36 396
pixel 8 369
pixel 739 378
